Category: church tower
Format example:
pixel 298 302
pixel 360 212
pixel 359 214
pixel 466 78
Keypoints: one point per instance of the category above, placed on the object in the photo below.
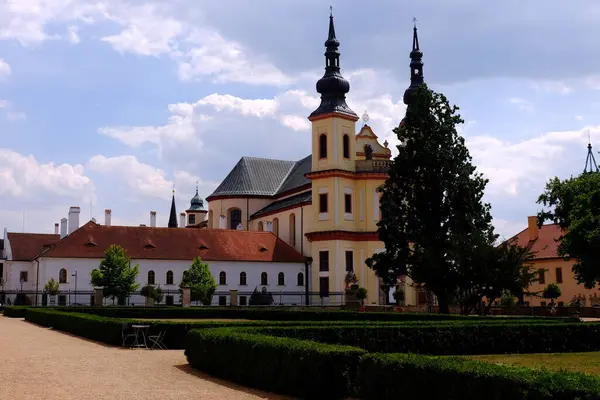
pixel 173 213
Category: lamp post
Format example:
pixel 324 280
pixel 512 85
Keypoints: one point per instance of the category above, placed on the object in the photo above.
pixel 75 275
pixel 21 280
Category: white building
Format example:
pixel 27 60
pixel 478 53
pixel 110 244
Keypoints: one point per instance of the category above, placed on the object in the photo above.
pixel 238 259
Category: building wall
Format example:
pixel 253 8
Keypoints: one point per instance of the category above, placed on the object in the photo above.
pixel 335 128
pixel 569 286
pixel 247 206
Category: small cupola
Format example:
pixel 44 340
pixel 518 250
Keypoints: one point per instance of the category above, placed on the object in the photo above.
pixel 196 213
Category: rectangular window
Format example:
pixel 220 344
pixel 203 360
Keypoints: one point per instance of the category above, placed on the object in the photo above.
pixel 243 301
pixel 542 275
pixel 170 300
pixel 92 300
pixel 561 303
pixel 23 276
pixel 543 304
pixel 323 261
pixel 191 219
pixel 222 300
pixel 349 260
pixel 62 300
pixel 323 202
pixel 558 275
pixel 324 287
pixel 348 203
pixel 1 270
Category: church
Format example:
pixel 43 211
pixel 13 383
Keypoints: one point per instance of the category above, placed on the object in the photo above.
pixel 311 223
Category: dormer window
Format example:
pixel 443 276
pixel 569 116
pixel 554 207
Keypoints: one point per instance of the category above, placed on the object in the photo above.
pixel 90 244
pixel 149 246
pixel 263 249
pixel 202 247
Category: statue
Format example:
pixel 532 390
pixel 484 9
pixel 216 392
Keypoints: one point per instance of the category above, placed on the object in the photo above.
pixel 368 152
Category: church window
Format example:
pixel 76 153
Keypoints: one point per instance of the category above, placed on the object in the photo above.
pixel 243 279
pixel 292 229
pixel 324 286
pixel 191 219
pixel 323 146
pixel 264 279
pixel 300 279
pixel 235 218
pixel 151 277
pixel 323 261
pixel 281 279
pixel 349 260
pixel 62 276
pixel 323 202
pixel 169 277
pixel 348 203
pixel 222 278
pixel 346 146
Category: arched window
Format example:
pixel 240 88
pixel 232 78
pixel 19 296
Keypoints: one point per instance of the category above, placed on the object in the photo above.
pixel 222 278
pixel 281 279
pixel 151 277
pixel 235 218
pixel 300 279
pixel 276 226
pixel 264 279
pixel 169 277
pixel 62 276
pixel 243 279
pixel 292 229
pixel 346 146
pixel 323 146
pixel 260 226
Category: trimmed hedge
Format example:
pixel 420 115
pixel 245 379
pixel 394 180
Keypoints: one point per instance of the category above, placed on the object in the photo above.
pixel 314 370
pixel 15 311
pixel 452 339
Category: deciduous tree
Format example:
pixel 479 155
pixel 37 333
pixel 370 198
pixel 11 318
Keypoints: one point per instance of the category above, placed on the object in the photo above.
pixel 116 274
pixel 200 281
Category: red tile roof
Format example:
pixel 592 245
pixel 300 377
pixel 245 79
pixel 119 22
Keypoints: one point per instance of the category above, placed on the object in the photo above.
pixel 25 246
pixel 91 240
pixel 545 246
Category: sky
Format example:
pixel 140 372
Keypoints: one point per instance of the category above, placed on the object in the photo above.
pixel 108 104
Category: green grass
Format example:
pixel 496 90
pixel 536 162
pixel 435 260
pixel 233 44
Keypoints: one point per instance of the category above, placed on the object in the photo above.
pixel 588 362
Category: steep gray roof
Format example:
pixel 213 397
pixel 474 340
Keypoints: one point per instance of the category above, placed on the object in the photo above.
pixel 296 177
pixel 287 202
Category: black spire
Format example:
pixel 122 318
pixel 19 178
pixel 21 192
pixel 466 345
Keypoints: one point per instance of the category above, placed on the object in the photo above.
pixel 590 161
pixel 173 214
pixel 416 66
pixel 332 86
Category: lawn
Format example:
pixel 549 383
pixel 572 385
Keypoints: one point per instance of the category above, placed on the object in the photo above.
pixel 588 362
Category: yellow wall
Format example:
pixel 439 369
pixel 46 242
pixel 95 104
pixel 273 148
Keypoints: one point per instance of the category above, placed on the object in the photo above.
pixel 568 287
pixel 221 207
pixel 334 128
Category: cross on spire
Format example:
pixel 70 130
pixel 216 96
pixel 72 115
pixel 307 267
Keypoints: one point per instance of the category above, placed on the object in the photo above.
pixel 331 11
pixel 590 160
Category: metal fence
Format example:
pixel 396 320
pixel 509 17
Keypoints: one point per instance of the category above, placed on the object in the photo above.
pixel 170 297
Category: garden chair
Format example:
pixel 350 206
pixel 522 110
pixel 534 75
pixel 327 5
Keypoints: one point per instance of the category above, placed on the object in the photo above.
pixel 157 340
pixel 126 333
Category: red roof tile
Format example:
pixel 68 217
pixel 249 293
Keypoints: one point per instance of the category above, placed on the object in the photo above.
pixel 545 246
pixel 91 240
pixel 25 246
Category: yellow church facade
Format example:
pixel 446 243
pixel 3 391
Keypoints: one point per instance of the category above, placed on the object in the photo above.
pixel 326 205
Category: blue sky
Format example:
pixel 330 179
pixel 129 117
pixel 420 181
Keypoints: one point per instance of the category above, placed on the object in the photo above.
pixel 110 103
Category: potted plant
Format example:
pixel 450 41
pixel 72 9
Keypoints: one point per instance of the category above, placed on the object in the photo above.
pixel 361 294
pixel 52 288
pixel 552 292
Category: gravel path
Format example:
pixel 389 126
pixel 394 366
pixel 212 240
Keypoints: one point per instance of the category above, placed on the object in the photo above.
pixel 39 363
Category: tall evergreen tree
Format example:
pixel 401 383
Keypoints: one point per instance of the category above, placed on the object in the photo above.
pixel 432 208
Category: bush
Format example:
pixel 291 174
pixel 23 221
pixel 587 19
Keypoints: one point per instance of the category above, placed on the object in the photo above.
pixel 300 368
pixel 15 311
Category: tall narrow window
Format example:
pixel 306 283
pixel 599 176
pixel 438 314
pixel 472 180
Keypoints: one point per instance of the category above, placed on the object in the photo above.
pixel 222 278
pixel 264 279
pixel 348 203
pixel 191 219
pixel 151 277
pixel 23 276
pixel 169 277
pixel 276 226
pixel 323 202
pixel 346 146
pixel 559 275
pixel 323 146
pixel 542 276
pixel 324 287
pixel 324 261
pixel 260 226
pixel 349 260
pixel 243 279
pixel 280 279
pixel 292 229
pixel 300 279
pixel 235 218
pixel 62 276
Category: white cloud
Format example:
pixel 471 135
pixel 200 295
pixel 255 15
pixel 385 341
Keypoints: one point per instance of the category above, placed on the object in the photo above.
pixel 11 113
pixel 72 35
pixel 5 69
pixel 579 117
pixel 552 87
pixel 522 104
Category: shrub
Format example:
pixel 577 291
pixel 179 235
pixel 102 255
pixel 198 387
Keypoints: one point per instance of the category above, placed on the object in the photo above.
pixel 300 368
pixel 15 311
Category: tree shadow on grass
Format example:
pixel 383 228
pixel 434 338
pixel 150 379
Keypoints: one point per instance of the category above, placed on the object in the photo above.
pixel 230 385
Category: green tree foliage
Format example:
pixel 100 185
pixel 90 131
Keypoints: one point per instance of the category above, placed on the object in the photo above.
pixel 576 209
pixel 432 209
pixel 116 275
pixel 154 293
pixel 361 294
pixel 52 287
pixel 262 298
pixel 200 281
pixel 552 292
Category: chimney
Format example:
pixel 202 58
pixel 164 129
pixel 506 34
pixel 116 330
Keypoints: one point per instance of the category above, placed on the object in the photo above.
pixel 107 215
pixel 268 226
pixel 182 220
pixel 56 228
pixel 73 218
pixel 532 228
pixel 222 222
pixel 63 227
pixel 153 219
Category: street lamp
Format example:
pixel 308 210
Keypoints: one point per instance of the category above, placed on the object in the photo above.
pixel 75 275
pixel 21 280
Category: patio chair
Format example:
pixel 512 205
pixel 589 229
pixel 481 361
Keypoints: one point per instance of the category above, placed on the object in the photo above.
pixel 126 333
pixel 157 340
